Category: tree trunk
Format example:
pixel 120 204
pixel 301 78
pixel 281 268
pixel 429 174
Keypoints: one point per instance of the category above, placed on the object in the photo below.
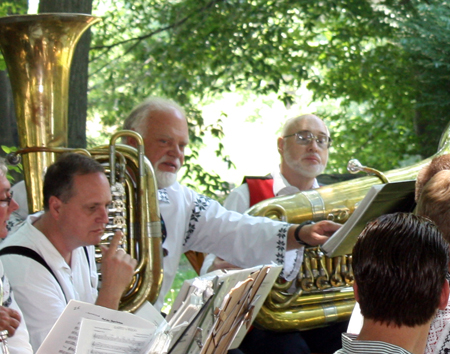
pixel 8 124
pixel 78 82
pixel 9 135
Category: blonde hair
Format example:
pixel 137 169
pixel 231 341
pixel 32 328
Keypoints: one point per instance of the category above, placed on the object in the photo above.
pixel 437 164
pixel 434 201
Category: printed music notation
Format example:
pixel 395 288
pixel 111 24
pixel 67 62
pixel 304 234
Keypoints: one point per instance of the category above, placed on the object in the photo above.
pixel 87 328
pixel 110 338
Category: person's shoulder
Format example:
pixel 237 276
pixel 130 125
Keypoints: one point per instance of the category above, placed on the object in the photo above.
pixel 238 199
pixel 25 235
pixel 242 189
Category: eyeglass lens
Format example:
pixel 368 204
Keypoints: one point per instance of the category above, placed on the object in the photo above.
pixel 305 138
pixel 7 200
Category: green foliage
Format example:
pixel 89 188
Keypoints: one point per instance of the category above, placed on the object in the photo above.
pixel 385 63
pixel 8 8
pixel 17 169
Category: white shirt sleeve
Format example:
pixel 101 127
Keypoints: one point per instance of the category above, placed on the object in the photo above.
pixel 238 200
pixel 20 342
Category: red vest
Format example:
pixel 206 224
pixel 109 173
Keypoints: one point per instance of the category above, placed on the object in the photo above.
pixel 260 188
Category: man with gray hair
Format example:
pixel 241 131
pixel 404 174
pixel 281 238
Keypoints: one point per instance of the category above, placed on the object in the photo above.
pixel 195 222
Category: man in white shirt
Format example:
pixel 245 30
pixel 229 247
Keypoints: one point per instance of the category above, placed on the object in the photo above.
pixel 303 158
pixel 304 147
pixel 56 260
pixel 195 222
pixel 400 263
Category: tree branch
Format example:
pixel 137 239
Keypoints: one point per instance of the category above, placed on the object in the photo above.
pixel 139 39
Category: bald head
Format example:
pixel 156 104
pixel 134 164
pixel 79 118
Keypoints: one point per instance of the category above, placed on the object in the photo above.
pixel 292 124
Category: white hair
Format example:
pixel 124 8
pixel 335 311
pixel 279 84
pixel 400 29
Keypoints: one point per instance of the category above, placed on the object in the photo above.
pixel 136 119
pixel 3 168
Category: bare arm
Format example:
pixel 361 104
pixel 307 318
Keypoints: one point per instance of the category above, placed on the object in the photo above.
pixel 117 272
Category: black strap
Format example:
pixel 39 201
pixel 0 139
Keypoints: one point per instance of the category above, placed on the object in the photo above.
pixel 87 258
pixel 27 252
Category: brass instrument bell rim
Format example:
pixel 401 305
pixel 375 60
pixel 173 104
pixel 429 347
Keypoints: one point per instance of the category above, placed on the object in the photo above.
pixel 10 19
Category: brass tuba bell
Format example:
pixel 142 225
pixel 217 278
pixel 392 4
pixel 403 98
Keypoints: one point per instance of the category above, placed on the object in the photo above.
pixel 38 51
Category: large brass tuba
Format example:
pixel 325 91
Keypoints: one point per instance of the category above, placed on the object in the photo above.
pixel 322 291
pixel 38 51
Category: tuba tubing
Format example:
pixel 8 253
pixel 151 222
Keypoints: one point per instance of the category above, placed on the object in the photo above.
pixel 313 304
pixel 147 227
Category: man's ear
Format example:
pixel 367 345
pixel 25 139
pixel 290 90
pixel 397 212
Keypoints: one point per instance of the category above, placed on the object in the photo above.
pixel 444 296
pixel 54 206
pixel 355 290
pixel 131 142
pixel 280 143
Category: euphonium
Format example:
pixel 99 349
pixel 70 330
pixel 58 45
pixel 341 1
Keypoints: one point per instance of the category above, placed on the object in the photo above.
pixel 323 292
pixel 38 51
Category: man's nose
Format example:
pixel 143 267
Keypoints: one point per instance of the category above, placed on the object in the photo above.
pixel 176 151
pixel 313 146
pixel 103 216
pixel 13 206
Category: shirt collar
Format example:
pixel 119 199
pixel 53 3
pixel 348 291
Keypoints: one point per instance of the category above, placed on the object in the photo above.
pixel 282 187
pixel 351 345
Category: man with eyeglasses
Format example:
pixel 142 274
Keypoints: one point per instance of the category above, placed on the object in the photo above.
pixel 303 146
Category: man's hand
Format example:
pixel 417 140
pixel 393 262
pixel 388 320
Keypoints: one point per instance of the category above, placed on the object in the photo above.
pixel 9 320
pixel 117 271
pixel 219 263
pixel 314 234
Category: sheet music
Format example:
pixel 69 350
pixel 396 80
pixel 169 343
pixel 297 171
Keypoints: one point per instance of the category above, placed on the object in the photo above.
pixel 380 199
pixel 86 328
pixel 105 337
pixel 225 281
pixel 63 337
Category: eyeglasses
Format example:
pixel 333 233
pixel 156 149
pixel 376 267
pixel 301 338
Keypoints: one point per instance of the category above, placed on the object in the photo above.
pixel 306 137
pixel 7 200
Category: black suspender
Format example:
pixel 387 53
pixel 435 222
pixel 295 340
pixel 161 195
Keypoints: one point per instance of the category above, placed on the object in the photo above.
pixel 28 252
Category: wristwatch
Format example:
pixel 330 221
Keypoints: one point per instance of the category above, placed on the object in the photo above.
pixel 297 232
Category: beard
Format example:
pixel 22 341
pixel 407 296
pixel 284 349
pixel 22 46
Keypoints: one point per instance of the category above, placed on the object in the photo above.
pixel 165 179
pixel 304 169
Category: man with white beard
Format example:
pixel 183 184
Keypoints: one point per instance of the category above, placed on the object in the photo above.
pixel 303 146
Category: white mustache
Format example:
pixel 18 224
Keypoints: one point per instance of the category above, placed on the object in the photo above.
pixel 175 162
